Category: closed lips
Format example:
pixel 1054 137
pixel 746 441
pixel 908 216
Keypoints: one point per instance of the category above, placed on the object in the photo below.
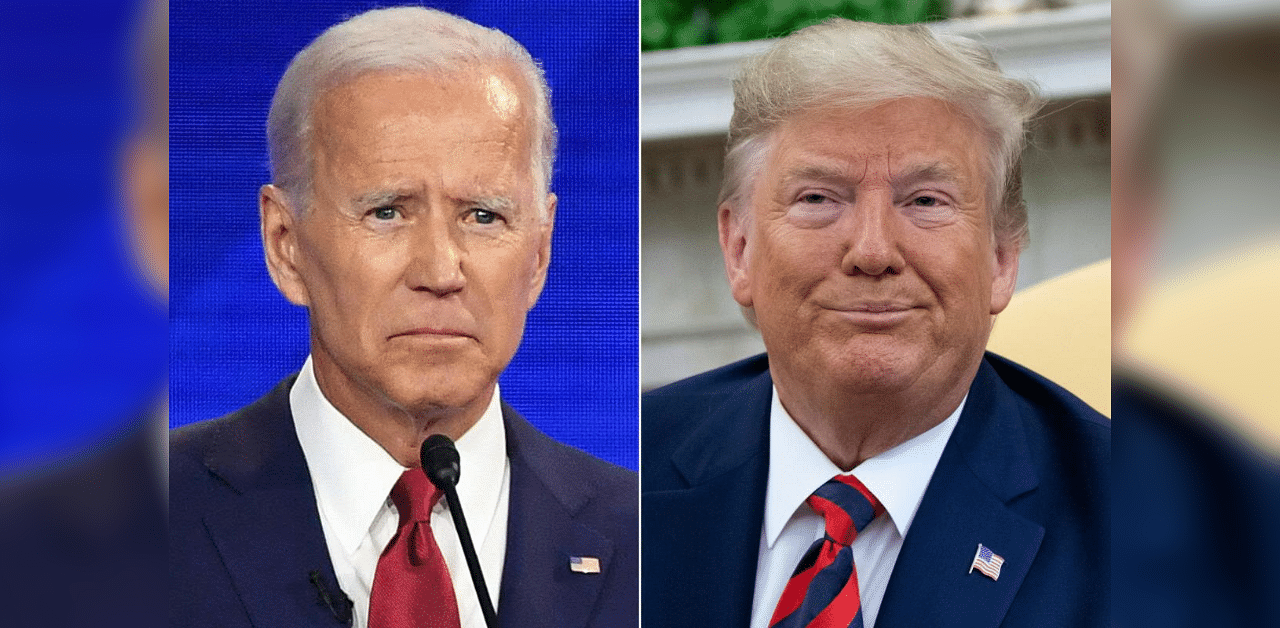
pixel 431 331
pixel 876 308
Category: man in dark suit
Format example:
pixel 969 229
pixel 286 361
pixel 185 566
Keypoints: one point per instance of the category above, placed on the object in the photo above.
pixel 875 467
pixel 411 153
pixel 1186 473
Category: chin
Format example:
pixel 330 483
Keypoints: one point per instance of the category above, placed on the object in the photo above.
pixel 877 365
pixel 443 387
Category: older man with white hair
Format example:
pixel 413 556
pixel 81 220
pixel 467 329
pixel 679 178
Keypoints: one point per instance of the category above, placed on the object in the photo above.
pixel 875 466
pixel 411 154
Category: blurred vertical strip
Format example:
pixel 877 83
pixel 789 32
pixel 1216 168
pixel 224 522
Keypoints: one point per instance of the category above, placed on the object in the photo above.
pixel 82 334
pixel 1196 264
pixel 83 314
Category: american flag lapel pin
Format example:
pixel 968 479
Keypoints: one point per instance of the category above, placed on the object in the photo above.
pixel 584 564
pixel 987 562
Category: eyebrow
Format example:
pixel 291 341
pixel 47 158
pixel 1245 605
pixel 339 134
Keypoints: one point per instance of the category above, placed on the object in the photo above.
pixel 494 203
pixel 382 198
pixel 817 172
pixel 937 171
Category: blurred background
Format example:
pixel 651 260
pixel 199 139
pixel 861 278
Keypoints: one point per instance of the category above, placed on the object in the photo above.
pixel 1196 285
pixel 82 329
pixel 83 314
pixel 1197 245
pixel 690 323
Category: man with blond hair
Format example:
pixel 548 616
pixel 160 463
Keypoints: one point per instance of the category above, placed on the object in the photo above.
pixel 875 466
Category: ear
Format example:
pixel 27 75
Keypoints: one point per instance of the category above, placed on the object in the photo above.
pixel 146 188
pixel 1004 277
pixel 280 243
pixel 733 244
pixel 544 251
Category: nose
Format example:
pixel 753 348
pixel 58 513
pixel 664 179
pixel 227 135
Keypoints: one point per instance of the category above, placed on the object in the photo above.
pixel 870 242
pixel 435 264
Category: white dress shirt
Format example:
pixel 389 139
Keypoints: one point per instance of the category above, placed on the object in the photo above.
pixel 897 477
pixel 353 476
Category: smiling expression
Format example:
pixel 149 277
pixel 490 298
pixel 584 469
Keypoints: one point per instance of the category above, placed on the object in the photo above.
pixel 867 250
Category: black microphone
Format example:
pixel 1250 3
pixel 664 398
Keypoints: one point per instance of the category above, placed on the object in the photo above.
pixel 339 604
pixel 440 463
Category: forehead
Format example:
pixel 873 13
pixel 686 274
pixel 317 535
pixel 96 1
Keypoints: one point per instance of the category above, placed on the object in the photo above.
pixel 397 123
pixel 880 141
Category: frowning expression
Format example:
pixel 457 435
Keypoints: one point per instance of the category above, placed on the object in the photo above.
pixel 427 238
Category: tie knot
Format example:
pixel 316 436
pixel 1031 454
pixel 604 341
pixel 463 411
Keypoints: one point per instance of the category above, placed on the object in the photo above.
pixel 846 506
pixel 414 496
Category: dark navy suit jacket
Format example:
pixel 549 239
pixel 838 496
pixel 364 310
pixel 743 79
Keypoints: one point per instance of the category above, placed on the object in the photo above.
pixel 245 534
pixel 1026 472
pixel 1197 515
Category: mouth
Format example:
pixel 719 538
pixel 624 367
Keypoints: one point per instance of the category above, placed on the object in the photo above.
pixel 433 333
pixel 875 314
pixel 876 308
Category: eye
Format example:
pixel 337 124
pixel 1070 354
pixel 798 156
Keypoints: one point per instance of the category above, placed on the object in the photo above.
pixel 385 213
pixel 484 216
pixel 814 198
pixel 926 201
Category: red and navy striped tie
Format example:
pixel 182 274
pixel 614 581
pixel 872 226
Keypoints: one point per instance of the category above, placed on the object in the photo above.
pixel 823 591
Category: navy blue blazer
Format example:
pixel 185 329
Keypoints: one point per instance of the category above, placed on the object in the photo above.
pixel 245 534
pixel 1027 472
pixel 1197 515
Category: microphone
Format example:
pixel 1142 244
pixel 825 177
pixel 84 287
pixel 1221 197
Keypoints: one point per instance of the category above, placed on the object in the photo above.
pixel 339 604
pixel 441 464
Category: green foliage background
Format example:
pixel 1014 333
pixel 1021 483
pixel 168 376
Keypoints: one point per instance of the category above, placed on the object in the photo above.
pixel 679 23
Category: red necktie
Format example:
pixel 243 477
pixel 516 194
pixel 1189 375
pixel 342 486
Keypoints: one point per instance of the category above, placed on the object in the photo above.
pixel 411 587
pixel 823 591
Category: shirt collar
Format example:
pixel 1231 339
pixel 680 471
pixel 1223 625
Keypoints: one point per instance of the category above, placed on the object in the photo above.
pixel 353 475
pixel 897 477
pixel 482 452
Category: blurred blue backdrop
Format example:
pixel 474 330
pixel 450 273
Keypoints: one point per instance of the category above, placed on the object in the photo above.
pixel 232 336
pixel 82 340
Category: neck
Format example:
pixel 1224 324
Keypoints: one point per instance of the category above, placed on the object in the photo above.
pixel 850 427
pixel 398 429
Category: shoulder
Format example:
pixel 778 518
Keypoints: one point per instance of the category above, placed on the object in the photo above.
pixel 576 476
pixel 1183 447
pixel 678 407
pixel 712 384
pixel 1067 447
pixel 248 438
pixel 1184 476
pixel 1052 409
pixel 706 424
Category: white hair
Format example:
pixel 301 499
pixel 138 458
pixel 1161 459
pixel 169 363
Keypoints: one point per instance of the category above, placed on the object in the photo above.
pixel 841 63
pixel 415 39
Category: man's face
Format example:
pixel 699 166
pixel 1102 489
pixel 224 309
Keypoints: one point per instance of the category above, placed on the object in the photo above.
pixel 868 254
pixel 425 244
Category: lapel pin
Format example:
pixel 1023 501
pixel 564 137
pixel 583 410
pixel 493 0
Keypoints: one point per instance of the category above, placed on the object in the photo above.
pixel 584 564
pixel 987 562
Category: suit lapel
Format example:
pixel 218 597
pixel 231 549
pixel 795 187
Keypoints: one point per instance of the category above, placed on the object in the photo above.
pixel 268 535
pixel 985 466
pixel 710 531
pixel 542 535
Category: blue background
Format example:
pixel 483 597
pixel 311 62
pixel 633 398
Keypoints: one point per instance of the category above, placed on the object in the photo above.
pixel 83 346
pixel 232 336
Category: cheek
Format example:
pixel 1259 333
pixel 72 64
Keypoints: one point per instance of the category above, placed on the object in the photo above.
pixel 350 278
pixel 502 280
pixel 959 276
pixel 788 262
